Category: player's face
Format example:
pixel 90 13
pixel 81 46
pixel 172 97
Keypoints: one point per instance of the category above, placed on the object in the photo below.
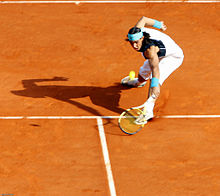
pixel 137 44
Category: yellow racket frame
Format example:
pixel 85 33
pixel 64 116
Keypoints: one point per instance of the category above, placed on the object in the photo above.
pixel 127 119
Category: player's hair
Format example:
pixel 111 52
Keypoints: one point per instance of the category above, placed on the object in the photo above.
pixel 134 30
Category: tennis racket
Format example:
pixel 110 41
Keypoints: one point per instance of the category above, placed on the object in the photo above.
pixel 128 120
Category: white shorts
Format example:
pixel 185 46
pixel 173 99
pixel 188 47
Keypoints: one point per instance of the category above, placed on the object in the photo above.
pixel 167 65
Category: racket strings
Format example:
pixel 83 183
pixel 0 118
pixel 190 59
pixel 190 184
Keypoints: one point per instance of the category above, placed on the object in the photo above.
pixel 128 119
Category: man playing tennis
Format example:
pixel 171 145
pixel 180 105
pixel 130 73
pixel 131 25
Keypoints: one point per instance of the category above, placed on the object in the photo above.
pixel 163 56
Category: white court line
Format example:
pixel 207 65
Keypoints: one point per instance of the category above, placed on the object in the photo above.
pixel 106 157
pixel 95 117
pixel 77 2
pixel 189 116
pixel 11 117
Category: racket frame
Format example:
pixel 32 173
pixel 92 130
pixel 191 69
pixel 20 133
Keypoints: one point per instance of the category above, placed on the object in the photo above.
pixel 126 111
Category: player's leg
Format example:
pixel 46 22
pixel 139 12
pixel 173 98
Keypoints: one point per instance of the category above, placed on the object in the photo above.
pixel 167 66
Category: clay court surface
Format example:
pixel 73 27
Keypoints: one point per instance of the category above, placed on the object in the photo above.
pixel 68 60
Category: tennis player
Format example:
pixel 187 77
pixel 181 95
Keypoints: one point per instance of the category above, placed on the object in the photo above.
pixel 163 56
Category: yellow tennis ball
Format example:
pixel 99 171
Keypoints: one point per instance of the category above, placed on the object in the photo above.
pixel 132 75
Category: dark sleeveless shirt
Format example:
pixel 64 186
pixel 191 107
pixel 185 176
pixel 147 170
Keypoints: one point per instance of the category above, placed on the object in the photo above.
pixel 153 42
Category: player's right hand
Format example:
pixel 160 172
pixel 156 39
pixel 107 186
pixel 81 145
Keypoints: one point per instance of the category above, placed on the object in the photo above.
pixel 155 91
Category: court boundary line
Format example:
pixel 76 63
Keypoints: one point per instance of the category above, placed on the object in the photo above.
pixel 102 117
pixel 116 1
pixel 106 157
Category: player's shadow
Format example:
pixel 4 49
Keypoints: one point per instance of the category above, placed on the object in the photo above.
pixel 106 97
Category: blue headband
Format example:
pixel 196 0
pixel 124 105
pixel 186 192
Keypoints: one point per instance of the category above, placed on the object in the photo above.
pixel 135 37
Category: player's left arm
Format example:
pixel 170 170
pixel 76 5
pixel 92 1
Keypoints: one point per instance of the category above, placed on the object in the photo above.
pixel 151 55
pixel 145 21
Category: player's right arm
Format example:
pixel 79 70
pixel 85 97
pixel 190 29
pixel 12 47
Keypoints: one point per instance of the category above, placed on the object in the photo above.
pixel 145 21
pixel 151 55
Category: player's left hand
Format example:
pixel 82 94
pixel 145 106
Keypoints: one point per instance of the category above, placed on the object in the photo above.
pixel 164 27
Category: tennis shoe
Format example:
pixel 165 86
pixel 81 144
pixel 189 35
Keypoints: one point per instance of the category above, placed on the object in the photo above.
pixel 131 83
pixel 125 80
